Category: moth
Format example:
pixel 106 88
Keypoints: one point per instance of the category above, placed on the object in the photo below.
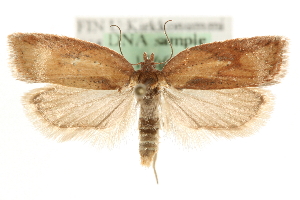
pixel 207 91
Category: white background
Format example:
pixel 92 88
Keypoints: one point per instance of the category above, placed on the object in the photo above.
pixel 263 166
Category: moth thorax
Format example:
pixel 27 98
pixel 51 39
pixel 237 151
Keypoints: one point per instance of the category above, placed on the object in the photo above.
pixel 140 91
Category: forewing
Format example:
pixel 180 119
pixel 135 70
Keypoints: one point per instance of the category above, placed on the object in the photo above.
pixel 67 61
pixel 230 64
pixel 190 114
pixel 99 116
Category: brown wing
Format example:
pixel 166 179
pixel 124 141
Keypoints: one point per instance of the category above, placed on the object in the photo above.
pixel 230 64
pixel 67 61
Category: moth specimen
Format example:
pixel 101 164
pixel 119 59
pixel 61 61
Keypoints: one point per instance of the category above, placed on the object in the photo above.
pixel 210 90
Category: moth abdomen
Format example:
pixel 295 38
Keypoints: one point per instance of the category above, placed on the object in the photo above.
pixel 148 146
pixel 148 129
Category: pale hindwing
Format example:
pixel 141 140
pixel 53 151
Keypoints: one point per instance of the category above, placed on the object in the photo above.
pixel 193 116
pixel 99 116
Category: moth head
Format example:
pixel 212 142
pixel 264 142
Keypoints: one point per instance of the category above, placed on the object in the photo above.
pixel 148 64
pixel 151 59
pixel 140 91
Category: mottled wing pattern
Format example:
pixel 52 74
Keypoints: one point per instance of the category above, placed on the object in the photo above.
pixel 67 61
pixel 99 116
pixel 211 90
pixel 236 63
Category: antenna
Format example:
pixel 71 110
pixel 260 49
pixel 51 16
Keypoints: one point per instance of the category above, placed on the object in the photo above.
pixel 119 39
pixel 165 34
pixel 169 44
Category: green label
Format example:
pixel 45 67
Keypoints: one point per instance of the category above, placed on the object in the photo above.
pixel 135 44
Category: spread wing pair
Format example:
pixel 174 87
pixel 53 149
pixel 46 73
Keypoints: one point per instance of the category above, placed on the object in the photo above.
pixel 209 87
